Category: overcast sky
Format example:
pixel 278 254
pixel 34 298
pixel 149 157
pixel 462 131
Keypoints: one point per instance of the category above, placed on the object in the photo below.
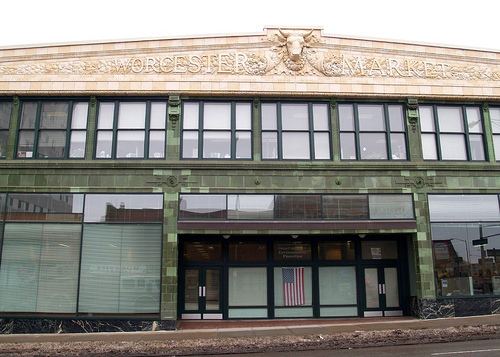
pixel 457 23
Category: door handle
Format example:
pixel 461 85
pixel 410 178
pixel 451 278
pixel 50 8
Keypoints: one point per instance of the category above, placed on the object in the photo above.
pixel 200 291
pixel 380 289
pixel 383 288
pixel 204 292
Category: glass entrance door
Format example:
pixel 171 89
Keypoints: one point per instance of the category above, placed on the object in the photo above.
pixel 202 293
pixel 381 291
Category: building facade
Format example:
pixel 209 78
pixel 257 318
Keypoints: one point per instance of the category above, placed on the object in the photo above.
pixel 286 174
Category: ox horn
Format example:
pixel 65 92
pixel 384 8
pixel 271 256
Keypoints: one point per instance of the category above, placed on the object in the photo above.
pixel 285 34
pixel 308 35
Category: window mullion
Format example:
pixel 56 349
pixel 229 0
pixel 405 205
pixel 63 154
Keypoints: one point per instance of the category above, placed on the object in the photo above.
pixel 233 130
pixel 437 131
pixel 147 129
pixel 68 130
pixel 356 132
pixel 114 137
pixel 466 133
pixel 387 132
pixel 311 132
pixel 200 129
pixel 279 130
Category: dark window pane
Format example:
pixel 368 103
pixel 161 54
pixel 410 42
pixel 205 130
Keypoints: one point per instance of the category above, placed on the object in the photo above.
pixel 156 144
pixel 202 207
pixel 346 117
pixel 5 109
pixel 243 145
pixel 54 115
pixel 476 147
pixel 250 206
pixel 347 146
pixel 398 146
pixel 217 145
pixel 336 250
pixel 295 145
pixel 190 144
pixel 396 117
pixel 247 252
pixel 28 115
pixel 130 144
pixel 51 144
pixel 4 136
pixel 299 207
pixel 269 145
pixel 294 117
pixel 345 207
pixel 123 208
pixel 45 207
pixel 269 116
pixel 291 251
pixel 202 251
pixel 373 146
pixel 77 146
pixel 371 117
pixel 25 144
pixel 104 141
pixel 379 250
pixel 391 206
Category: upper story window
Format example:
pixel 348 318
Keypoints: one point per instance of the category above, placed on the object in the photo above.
pixel 217 130
pixel 451 132
pixel 131 130
pixel 495 129
pixel 296 131
pixel 52 129
pixel 5 109
pixel 372 132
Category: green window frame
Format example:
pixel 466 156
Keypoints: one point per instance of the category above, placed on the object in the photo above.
pixel 217 130
pixel 495 130
pixel 5 112
pixel 296 130
pixel 372 131
pixel 452 132
pixel 52 129
pixel 131 129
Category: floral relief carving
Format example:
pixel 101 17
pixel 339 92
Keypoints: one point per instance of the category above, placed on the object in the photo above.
pixel 290 52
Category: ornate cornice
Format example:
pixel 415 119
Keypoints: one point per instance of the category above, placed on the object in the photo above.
pixel 284 53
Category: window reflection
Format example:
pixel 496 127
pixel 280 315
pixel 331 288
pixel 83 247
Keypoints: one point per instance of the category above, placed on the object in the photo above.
pixel 123 208
pixel 44 207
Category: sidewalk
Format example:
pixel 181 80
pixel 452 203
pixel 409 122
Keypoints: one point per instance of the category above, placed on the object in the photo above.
pixel 228 329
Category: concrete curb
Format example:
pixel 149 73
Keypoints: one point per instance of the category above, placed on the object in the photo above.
pixel 297 330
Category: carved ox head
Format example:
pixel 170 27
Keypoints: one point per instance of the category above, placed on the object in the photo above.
pixel 295 42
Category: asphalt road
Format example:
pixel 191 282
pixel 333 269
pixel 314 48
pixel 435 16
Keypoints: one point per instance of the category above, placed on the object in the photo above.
pixel 477 348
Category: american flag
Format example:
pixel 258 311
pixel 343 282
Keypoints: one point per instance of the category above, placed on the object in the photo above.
pixel 293 286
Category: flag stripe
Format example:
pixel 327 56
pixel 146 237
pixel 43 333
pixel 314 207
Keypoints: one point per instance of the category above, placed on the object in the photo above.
pixel 293 286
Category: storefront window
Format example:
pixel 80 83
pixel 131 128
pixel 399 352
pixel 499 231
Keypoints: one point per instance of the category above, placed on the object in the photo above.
pixel 247 252
pixel 292 251
pixel 250 206
pixel 202 251
pixel 337 286
pixel 379 250
pixel 293 292
pixel 345 207
pixel 247 292
pixel 336 250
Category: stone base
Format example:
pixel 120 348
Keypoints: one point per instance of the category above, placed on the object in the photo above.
pixel 11 326
pixel 455 307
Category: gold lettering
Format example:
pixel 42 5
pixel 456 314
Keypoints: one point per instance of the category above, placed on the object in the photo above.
pixel 137 65
pixel 195 64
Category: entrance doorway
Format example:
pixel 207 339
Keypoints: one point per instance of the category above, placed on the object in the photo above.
pixel 243 277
